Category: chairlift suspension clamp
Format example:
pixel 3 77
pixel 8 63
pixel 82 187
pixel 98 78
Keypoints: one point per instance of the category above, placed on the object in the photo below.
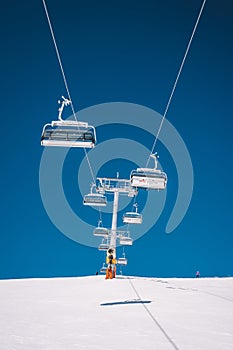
pixel 64 102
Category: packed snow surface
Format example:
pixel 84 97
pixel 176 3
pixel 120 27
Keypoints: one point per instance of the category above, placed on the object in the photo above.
pixel 127 313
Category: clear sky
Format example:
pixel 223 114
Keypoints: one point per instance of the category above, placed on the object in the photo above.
pixel 124 51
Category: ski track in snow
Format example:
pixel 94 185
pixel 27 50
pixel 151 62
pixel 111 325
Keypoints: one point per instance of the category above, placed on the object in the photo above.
pixel 127 313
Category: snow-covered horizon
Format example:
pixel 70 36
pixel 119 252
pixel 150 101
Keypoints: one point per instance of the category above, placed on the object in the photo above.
pixel 125 313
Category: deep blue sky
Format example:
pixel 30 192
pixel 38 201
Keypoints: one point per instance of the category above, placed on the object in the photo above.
pixel 127 51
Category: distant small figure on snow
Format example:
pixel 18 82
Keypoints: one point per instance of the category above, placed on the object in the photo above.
pixel 97 273
pixel 198 274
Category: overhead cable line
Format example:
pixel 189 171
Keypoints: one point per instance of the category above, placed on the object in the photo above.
pixel 176 81
pixel 65 80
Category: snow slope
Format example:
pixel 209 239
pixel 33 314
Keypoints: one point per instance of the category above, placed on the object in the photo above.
pixel 126 313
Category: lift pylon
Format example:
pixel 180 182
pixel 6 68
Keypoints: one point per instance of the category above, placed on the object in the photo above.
pixel 114 186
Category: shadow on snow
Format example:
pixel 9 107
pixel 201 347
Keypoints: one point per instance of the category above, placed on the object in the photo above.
pixel 126 302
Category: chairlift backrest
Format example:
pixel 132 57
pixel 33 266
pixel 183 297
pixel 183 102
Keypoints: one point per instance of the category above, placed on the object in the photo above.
pixel 68 134
pixel 122 261
pixel 95 199
pixel 132 218
pixel 103 269
pixel 103 247
pixel 148 178
pixel 126 241
pixel 101 232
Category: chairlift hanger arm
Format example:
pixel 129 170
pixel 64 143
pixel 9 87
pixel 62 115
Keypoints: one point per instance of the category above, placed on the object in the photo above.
pixel 66 84
pixel 64 102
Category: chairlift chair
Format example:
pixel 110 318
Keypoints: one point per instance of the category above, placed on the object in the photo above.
pixel 104 245
pixel 132 217
pixel 126 240
pixel 68 133
pixel 122 261
pixel 103 268
pixel 101 232
pixel 95 200
pixel 149 178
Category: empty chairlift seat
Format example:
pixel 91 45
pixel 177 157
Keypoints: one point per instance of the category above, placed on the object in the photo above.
pixel 95 199
pixel 151 179
pixel 101 232
pixel 67 133
pixel 132 218
pixel 122 261
pixel 103 246
pixel 103 269
pixel 126 240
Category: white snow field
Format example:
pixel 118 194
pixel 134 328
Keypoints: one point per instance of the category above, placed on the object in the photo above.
pixel 128 313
